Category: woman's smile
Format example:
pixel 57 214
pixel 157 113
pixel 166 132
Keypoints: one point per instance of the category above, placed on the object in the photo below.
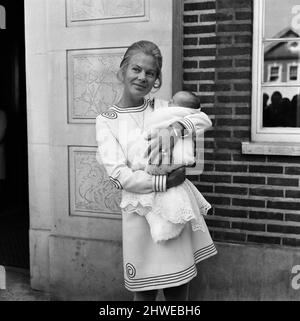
pixel 139 77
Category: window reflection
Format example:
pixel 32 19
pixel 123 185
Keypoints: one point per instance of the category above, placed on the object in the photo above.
pixel 279 15
pixel 281 108
pixel 281 61
pixel 281 77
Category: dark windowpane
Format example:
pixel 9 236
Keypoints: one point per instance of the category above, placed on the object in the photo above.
pixel 281 107
pixel 293 73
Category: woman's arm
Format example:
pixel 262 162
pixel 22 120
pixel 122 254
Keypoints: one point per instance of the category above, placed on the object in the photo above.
pixel 164 140
pixel 197 122
pixel 111 155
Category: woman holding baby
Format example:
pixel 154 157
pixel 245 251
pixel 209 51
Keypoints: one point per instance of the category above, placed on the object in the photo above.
pixel 168 263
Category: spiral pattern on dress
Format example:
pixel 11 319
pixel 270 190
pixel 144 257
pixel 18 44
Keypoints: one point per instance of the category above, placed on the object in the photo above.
pixel 130 270
pixel 110 114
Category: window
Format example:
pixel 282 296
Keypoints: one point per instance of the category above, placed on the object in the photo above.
pixel 276 81
pixel 274 73
pixel 293 72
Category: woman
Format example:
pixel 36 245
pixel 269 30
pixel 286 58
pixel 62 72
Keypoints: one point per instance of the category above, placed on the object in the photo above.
pixel 147 266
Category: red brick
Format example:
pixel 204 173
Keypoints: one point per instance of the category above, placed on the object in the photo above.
pixel 284 205
pixel 234 51
pixel 218 200
pixel 217 156
pixel 207 17
pixel 234 99
pixel 266 192
pixel 290 241
pixel 234 27
pixel 216 178
pixel 243 15
pixel 248 202
pixel 242 111
pixel 265 215
pixel 248 226
pixel 199 52
pixel 218 133
pixel 292 194
pixel 221 110
pixel 292 170
pixel 284 159
pixel 199 75
pixel 207 40
pixel 230 212
pixel 199 29
pixel 215 223
pixel 190 41
pixel 209 144
pixel 249 158
pixel 224 16
pixel 221 144
pixel 249 180
pixel 231 190
pixel 187 64
pixel 204 188
pixel 242 87
pixel 214 87
pixel 231 168
pixel 245 39
pixel 205 99
pixel 282 181
pixel 265 169
pixel 207 64
pixel 243 62
pixel 224 40
pixel 190 18
pixel 233 122
pixel 221 4
pixel 190 87
pixel 263 239
pixel 292 217
pixel 200 6
pixel 234 75
pixel 242 134
pixel 194 178
pixel 286 229
pixel 208 167
pixel 229 236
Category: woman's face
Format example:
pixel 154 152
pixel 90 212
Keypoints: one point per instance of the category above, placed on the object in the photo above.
pixel 140 75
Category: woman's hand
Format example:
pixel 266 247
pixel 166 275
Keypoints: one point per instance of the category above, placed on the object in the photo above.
pixel 161 143
pixel 176 177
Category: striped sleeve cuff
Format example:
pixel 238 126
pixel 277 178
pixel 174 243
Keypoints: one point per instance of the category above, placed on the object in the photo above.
pixel 159 183
pixel 188 126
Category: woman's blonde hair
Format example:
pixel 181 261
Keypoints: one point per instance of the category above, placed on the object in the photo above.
pixel 148 48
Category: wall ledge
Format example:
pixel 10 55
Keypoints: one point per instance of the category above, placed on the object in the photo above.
pixel 271 148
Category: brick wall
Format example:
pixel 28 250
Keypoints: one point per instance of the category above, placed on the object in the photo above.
pixel 255 198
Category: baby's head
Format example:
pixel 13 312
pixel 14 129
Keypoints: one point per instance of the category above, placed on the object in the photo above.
pixel 185 99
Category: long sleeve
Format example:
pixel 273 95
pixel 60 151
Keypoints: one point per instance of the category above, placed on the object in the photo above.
pixel 198 122
pixel 111 155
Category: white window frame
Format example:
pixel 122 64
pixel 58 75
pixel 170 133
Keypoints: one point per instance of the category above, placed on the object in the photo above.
pixel 258 132
pixel 289 65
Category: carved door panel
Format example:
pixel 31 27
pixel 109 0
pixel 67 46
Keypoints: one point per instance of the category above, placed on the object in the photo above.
pixel 86 40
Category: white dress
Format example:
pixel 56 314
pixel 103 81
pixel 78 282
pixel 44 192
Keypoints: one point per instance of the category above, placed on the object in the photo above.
pixel 167 212
pixel 147 265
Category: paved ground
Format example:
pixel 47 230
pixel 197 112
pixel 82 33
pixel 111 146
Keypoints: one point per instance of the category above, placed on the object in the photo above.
pixel 18 287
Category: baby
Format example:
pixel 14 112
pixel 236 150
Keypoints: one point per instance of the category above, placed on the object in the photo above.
pixel 184 152
pixel 168 212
